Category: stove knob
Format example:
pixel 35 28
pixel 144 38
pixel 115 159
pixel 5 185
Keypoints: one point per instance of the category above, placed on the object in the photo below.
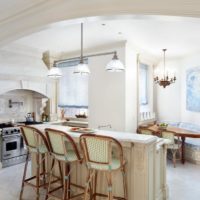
pixel 6 132
pixel 11 132
pixel 18 131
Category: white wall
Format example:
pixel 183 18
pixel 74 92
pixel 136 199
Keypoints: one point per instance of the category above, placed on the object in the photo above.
pixel 131 99
pixel 21 60
pixel 22 68
pixel 168 100
pixel 107 93
pixel 113 96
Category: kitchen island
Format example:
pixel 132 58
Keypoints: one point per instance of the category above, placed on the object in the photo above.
pixel 146 165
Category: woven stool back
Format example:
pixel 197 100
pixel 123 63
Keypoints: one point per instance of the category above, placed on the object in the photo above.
pixel 34 139
pixel 100 149
pixel 61 144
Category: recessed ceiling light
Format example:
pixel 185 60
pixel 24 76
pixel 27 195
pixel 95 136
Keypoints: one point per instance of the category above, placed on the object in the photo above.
pixel 103 24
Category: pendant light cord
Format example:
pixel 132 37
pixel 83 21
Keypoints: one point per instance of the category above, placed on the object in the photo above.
pixel 81 60
pixel 164 50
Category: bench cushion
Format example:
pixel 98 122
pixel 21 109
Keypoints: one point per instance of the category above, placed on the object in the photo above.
pixel 189 126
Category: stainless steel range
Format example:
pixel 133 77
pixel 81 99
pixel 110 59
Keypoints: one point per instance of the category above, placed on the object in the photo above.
pixel 12 145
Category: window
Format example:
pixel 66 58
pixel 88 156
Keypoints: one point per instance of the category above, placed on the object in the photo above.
pixel 73 90
pixel 143 84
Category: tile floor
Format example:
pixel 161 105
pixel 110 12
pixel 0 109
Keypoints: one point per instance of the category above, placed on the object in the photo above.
pixel 183 182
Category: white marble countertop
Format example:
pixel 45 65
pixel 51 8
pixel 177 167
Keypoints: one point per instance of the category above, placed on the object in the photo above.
pixel 121 136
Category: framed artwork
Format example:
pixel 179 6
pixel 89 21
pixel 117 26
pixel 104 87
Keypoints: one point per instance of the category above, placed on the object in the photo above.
pixel 193 89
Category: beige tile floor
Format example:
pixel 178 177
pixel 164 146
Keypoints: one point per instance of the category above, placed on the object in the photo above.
pixel 183 181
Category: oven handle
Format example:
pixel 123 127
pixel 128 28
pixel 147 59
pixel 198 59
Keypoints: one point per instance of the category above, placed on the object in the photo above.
pixel 5 138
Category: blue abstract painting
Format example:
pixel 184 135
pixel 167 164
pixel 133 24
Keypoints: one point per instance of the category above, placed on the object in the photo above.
pixel 193 89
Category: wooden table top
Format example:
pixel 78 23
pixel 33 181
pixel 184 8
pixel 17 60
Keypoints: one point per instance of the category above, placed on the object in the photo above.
pixel 177 131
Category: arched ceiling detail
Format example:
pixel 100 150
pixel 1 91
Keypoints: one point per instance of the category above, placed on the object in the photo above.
pixel 22 18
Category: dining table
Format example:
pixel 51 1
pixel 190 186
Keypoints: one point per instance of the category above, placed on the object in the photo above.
pixel 179 132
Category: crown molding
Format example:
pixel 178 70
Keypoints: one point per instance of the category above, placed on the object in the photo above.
pixel 22 49
pixel 34 7
pixel 12 77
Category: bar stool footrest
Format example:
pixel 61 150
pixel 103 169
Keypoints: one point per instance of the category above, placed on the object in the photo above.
pixel 104 195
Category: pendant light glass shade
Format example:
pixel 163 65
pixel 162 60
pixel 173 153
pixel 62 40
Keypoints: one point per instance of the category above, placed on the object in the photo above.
pixel 115 65
pixel 54 72
pixel 82 68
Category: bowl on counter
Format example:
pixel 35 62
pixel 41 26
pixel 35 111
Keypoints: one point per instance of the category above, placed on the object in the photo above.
pixel 162 126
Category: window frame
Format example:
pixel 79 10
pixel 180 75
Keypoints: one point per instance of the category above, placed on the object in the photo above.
pixel 144 66
pixel 72 63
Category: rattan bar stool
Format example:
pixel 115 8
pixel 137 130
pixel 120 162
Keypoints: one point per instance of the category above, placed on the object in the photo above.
pixel 102 154
pixel 63 149
pixel 36 144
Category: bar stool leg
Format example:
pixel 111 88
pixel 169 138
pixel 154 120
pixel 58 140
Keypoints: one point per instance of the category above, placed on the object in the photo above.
pixel 109 180
pixel 44 169
pixel 24 176
pixel 95 184
pixel 61 174
pixel 125 183
pixel 38 176
pixel 50 177
pixel 66 182
pixel 88 187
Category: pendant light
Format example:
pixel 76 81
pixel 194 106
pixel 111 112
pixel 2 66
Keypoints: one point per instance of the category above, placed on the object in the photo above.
pixel 164 80
pixel 82 68
pixel 54 72
pixel 115 65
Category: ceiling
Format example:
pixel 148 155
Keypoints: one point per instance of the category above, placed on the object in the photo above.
pixel 19 18
pixel 181 36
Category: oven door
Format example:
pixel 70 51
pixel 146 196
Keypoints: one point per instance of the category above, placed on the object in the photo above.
pixel 11 146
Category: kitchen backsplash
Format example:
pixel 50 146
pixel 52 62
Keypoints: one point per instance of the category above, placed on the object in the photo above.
pixel 17 111
pixel 21 103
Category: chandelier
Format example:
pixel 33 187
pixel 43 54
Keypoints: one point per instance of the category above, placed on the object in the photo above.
pixel 165 80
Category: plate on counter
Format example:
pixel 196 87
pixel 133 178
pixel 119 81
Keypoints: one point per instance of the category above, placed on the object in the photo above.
pixel 82 130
